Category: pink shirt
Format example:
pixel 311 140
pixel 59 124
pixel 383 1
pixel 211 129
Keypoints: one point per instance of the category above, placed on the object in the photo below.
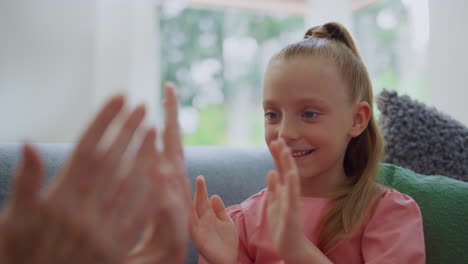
pixel 394 234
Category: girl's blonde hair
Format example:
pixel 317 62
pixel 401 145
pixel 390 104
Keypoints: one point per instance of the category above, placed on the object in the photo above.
pixel 363 154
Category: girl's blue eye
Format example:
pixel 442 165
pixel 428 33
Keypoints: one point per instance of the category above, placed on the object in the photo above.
pixel 270 115
pixel 309 115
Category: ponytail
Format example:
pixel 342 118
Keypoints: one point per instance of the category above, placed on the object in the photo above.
pixel 333 31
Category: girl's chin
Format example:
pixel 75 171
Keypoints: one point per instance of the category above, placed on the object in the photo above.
pixel 306 173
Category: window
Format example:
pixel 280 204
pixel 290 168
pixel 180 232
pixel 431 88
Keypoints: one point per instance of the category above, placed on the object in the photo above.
pixel 217 57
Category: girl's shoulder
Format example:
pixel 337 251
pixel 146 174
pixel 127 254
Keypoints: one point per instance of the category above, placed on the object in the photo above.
pixel 395 231
pixel 247 214
pixel 252 204
pixel 390 196
pixel 394 205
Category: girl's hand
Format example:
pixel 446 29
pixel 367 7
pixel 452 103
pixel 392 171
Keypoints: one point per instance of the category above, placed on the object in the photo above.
pixel 88 214
pixel 166 239
pixel 284 216
pixel 213 232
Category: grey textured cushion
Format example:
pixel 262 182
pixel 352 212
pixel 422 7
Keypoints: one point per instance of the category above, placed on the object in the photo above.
pixel 421 138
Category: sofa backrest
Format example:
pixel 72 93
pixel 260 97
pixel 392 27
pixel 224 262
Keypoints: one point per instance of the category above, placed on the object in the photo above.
pixel 233 173
pixel 237 173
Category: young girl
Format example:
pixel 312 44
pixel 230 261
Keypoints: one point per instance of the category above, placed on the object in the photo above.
pixel 322 204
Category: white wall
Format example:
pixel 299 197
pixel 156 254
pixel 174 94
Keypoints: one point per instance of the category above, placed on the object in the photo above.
pixel 59 60
pixel 448 57
pixel 127 46
pixel 46 73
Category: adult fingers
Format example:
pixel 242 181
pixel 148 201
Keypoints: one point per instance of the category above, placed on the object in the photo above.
pixel 28 178
pixel 79 171
pixel 138 183
pixel 51 240
pixel 142 216
pixel 171 136
pixel 123 139
pixel 145 154
pixel 140 176
pixel 98 126
pixel 67 247
pixel 110 168
pixel 173 150
pixel 125 198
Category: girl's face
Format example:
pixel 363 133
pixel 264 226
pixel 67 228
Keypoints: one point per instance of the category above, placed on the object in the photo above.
pixel 307 102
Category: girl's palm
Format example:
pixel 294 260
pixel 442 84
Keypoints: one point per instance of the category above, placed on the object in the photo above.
pixel 213 232
pixel 280 219
pixel 284 220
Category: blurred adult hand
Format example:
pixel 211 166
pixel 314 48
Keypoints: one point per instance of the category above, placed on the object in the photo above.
pixel 96 208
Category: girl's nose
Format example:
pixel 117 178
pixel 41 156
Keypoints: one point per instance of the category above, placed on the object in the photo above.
pixel 288 131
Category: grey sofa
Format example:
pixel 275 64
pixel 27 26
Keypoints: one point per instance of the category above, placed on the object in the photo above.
pixel 233 173
pixel 237 173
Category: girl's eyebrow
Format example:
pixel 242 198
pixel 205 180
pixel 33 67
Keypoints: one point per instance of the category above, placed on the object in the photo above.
pixel 268 103
pixel 302 101
pixel 311 101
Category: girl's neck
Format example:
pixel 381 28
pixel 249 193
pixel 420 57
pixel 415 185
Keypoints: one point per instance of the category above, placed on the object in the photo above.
pixel 324 184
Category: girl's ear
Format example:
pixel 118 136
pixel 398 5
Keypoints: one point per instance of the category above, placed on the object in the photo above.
pixel 361 118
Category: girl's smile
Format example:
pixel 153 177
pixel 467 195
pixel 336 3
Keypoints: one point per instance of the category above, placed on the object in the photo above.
pixel 302 155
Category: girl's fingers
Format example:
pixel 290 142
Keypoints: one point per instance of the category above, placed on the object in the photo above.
pixel 171 135
pixel 293 190
pixel 289 163
pixel 98 126
pixel 218 208
pixel 201 196
pixel 28 178
pixel 292 175
pixel 193 217
pixel 272 181
pixel 286 160
pixel 276 151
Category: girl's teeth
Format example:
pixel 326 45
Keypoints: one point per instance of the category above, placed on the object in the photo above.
pixel 302 153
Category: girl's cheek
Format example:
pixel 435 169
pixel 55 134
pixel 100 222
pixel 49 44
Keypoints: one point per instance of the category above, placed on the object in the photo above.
pixel 270 134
